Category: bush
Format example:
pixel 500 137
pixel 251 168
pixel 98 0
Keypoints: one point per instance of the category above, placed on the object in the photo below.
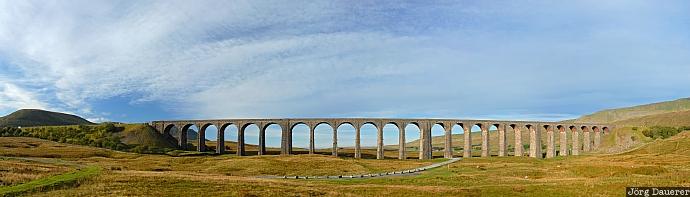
pixel 659 132
pixel 11 132
pixel 97 136
pixel 108 127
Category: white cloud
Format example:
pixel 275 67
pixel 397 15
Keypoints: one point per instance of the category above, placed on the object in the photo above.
pixel 256 59
pixel 13 97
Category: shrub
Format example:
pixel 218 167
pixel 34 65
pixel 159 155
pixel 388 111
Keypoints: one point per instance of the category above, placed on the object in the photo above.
pixel 97 136
pixel 659 132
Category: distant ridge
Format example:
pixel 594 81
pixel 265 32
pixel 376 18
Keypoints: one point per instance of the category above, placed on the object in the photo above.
pixel 671 119
pixel 37 117
pixel 613 115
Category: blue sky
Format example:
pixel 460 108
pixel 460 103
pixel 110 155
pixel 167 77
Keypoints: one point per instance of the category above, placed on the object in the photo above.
pixel 149 60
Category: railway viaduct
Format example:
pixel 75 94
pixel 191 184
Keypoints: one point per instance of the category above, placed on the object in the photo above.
pixel 592 134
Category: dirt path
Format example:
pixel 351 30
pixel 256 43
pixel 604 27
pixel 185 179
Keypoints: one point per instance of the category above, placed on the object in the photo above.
pixel 375 175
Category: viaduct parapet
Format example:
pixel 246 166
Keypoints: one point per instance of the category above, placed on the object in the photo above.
pixel 569 133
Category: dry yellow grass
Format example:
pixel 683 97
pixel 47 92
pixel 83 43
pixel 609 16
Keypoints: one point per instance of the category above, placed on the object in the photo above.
pixel 33 147
pixel 14 171
pixel 660 163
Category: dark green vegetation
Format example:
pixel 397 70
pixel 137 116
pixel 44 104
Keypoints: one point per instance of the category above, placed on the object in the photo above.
pixel 135 138
pixel 663 132
pixel 613 115
pixel 35 117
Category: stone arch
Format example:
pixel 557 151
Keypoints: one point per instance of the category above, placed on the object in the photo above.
pixel 366 144
pixel 586 138
pixel 595 128
pixel 294 124
pixel 575 140
pixel 168 128
pixel 457 130
pixel 438 130
pixel 415 129
pixel 502 140
pixel 224 134
pixel 584 128
pixel 534 140
pixel 344 135
pixel 324 132
pixel 247 124
pixel 250 132
pixel 303 133
pixel 387 131
pixel 202 137
pixel 368 122
pixel 486 132
pixel 549 145
pixel 475 128
pixel 272 138
pixel 562 135
pixel 183 137
pixel 597 137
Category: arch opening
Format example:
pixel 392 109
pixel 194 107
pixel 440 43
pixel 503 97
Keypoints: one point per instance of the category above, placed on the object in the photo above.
pixel 323 139
pixel 251 139
pixel 412 137
pixel 390 140
pixel 458 139
pixel 476 143
pixel 229 138
pixel 368 140
pixel 188 136
pixel 208 135
pixel 300 138
pixel 492 134
pixel 438 140
pixel 346 140
pixel 273 139
pixel 170 130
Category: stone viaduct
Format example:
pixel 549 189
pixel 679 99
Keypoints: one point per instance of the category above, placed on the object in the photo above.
pixel 535 130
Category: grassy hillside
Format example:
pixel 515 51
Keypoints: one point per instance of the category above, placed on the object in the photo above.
pixel 672 119
pixel 35 117
pixel 125 137
pixel 676 145
pixel 612 115
pixel 661 162
pixel 142 134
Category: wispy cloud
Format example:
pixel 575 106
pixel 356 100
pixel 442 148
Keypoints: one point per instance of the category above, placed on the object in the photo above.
pixel 256 59
pixel 14 97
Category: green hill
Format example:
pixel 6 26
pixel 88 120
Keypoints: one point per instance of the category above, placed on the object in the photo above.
pixel 36 117
pixel 677 145
pixel 613 115
pixel 142 134
pixel 672 119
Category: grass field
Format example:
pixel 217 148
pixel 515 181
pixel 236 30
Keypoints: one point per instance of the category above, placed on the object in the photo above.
pixel 645 162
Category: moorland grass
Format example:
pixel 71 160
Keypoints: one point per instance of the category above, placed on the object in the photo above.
pixel 659 163
pixel 51 182
pixel 13 172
